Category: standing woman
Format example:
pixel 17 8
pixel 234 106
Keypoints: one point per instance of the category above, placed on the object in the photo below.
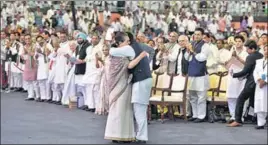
pixel 120 121
pixel 30 69
pixel 260 76
pixel 103 105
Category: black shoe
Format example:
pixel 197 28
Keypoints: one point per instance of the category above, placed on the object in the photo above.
pixel 92 110
pixel 192 119
pixel 83 107
pixel 42 100
pixel 58 103
pixel 25 91
pixel 140 142
pixel 115 141
pixel 38 100
pixel 29 99
pixel 259 127
pixel 199 120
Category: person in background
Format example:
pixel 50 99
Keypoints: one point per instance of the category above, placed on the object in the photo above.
pixel 260 77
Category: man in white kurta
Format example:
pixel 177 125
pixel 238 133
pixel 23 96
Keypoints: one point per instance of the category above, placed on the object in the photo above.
pixel 260 102
pixel 91 78
pixel 198 84
pixel 42 69
pixel 223 52
pixel 62 67
pixel 173 50
pixel 212 62
pixel 16 67
pixel 235 85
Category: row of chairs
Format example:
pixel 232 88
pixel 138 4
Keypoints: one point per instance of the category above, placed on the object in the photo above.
pixel 171 90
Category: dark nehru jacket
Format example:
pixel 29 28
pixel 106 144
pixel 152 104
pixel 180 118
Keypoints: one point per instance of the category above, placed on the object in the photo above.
pixel 197 68
pixel 81 50
pixel 142 70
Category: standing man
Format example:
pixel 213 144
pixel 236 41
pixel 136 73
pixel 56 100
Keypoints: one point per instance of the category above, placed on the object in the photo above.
pixel 142 84
pixel 91 78
pixel 173 50
pixel 15 50
pixel 62 67
pixel 198 80
pixel 260 77
pixel 80 64
pixel 41 55
pixel 249 88
pixel 235 85
pixel 3 60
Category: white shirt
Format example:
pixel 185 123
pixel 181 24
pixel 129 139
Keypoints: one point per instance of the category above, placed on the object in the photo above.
pixel 191 25
pixel 250 21
pixel 213 28
pixel 105 14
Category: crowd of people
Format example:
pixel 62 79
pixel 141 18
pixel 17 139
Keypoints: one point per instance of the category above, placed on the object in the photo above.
pixel 107 69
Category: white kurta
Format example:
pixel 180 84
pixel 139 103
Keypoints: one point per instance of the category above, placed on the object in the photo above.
pixel 222 59
pixel 61 63
pixel 260 102
pixel 235 85
pixel 42 71
pixel 212 62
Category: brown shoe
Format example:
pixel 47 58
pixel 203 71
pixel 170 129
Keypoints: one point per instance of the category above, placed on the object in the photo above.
pixel 234 124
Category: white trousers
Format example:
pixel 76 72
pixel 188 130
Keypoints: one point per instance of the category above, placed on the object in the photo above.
pixel 261 118
pixel 198 100
pixel 15 80
pixel 49 90
pixel 57 92
pixel 231 106
pixel 33 89
pixel 140 115
pixel 92 95
pixel 42 84
pixel 81 92
pixel 24 85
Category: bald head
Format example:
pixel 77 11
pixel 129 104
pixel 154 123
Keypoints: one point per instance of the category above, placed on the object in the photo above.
pixel 183 40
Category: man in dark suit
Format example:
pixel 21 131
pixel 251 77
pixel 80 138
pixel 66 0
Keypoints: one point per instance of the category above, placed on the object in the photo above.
pixel 249 89
pixel 142 84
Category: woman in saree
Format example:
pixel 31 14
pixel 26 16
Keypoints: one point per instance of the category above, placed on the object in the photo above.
pixel 120 121
pixel 103 105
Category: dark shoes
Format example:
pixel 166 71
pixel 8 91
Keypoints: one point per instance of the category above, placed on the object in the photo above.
pixel 140 142
pixel 192 119
pixel 199 120
pixel 259 127
pixel 29 99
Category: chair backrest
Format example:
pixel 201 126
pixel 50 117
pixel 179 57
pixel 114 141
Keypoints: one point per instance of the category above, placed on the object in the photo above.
pixel 178 83
pixel 214 81
pixel 163 81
